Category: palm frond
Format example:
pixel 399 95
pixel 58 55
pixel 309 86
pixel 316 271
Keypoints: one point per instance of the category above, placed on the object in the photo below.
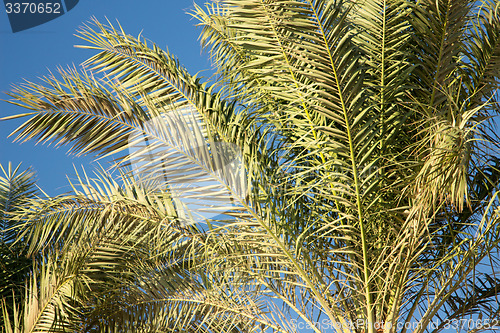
pixel 16 188
pixel 349 146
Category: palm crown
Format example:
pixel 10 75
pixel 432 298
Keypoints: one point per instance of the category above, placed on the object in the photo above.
pixel 369 186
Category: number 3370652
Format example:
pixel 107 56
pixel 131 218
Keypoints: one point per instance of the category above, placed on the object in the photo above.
pixel 33 8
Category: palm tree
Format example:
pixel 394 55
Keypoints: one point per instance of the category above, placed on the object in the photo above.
pixel 369 197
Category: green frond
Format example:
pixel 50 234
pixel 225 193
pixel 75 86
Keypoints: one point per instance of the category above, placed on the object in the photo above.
pixel 440 33
pixel 16 188
pixel 483 54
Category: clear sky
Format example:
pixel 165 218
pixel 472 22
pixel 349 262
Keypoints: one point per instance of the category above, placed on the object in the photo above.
pixel 30 54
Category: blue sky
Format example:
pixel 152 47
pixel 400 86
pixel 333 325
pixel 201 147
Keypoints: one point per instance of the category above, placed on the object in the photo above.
pixel 30 54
